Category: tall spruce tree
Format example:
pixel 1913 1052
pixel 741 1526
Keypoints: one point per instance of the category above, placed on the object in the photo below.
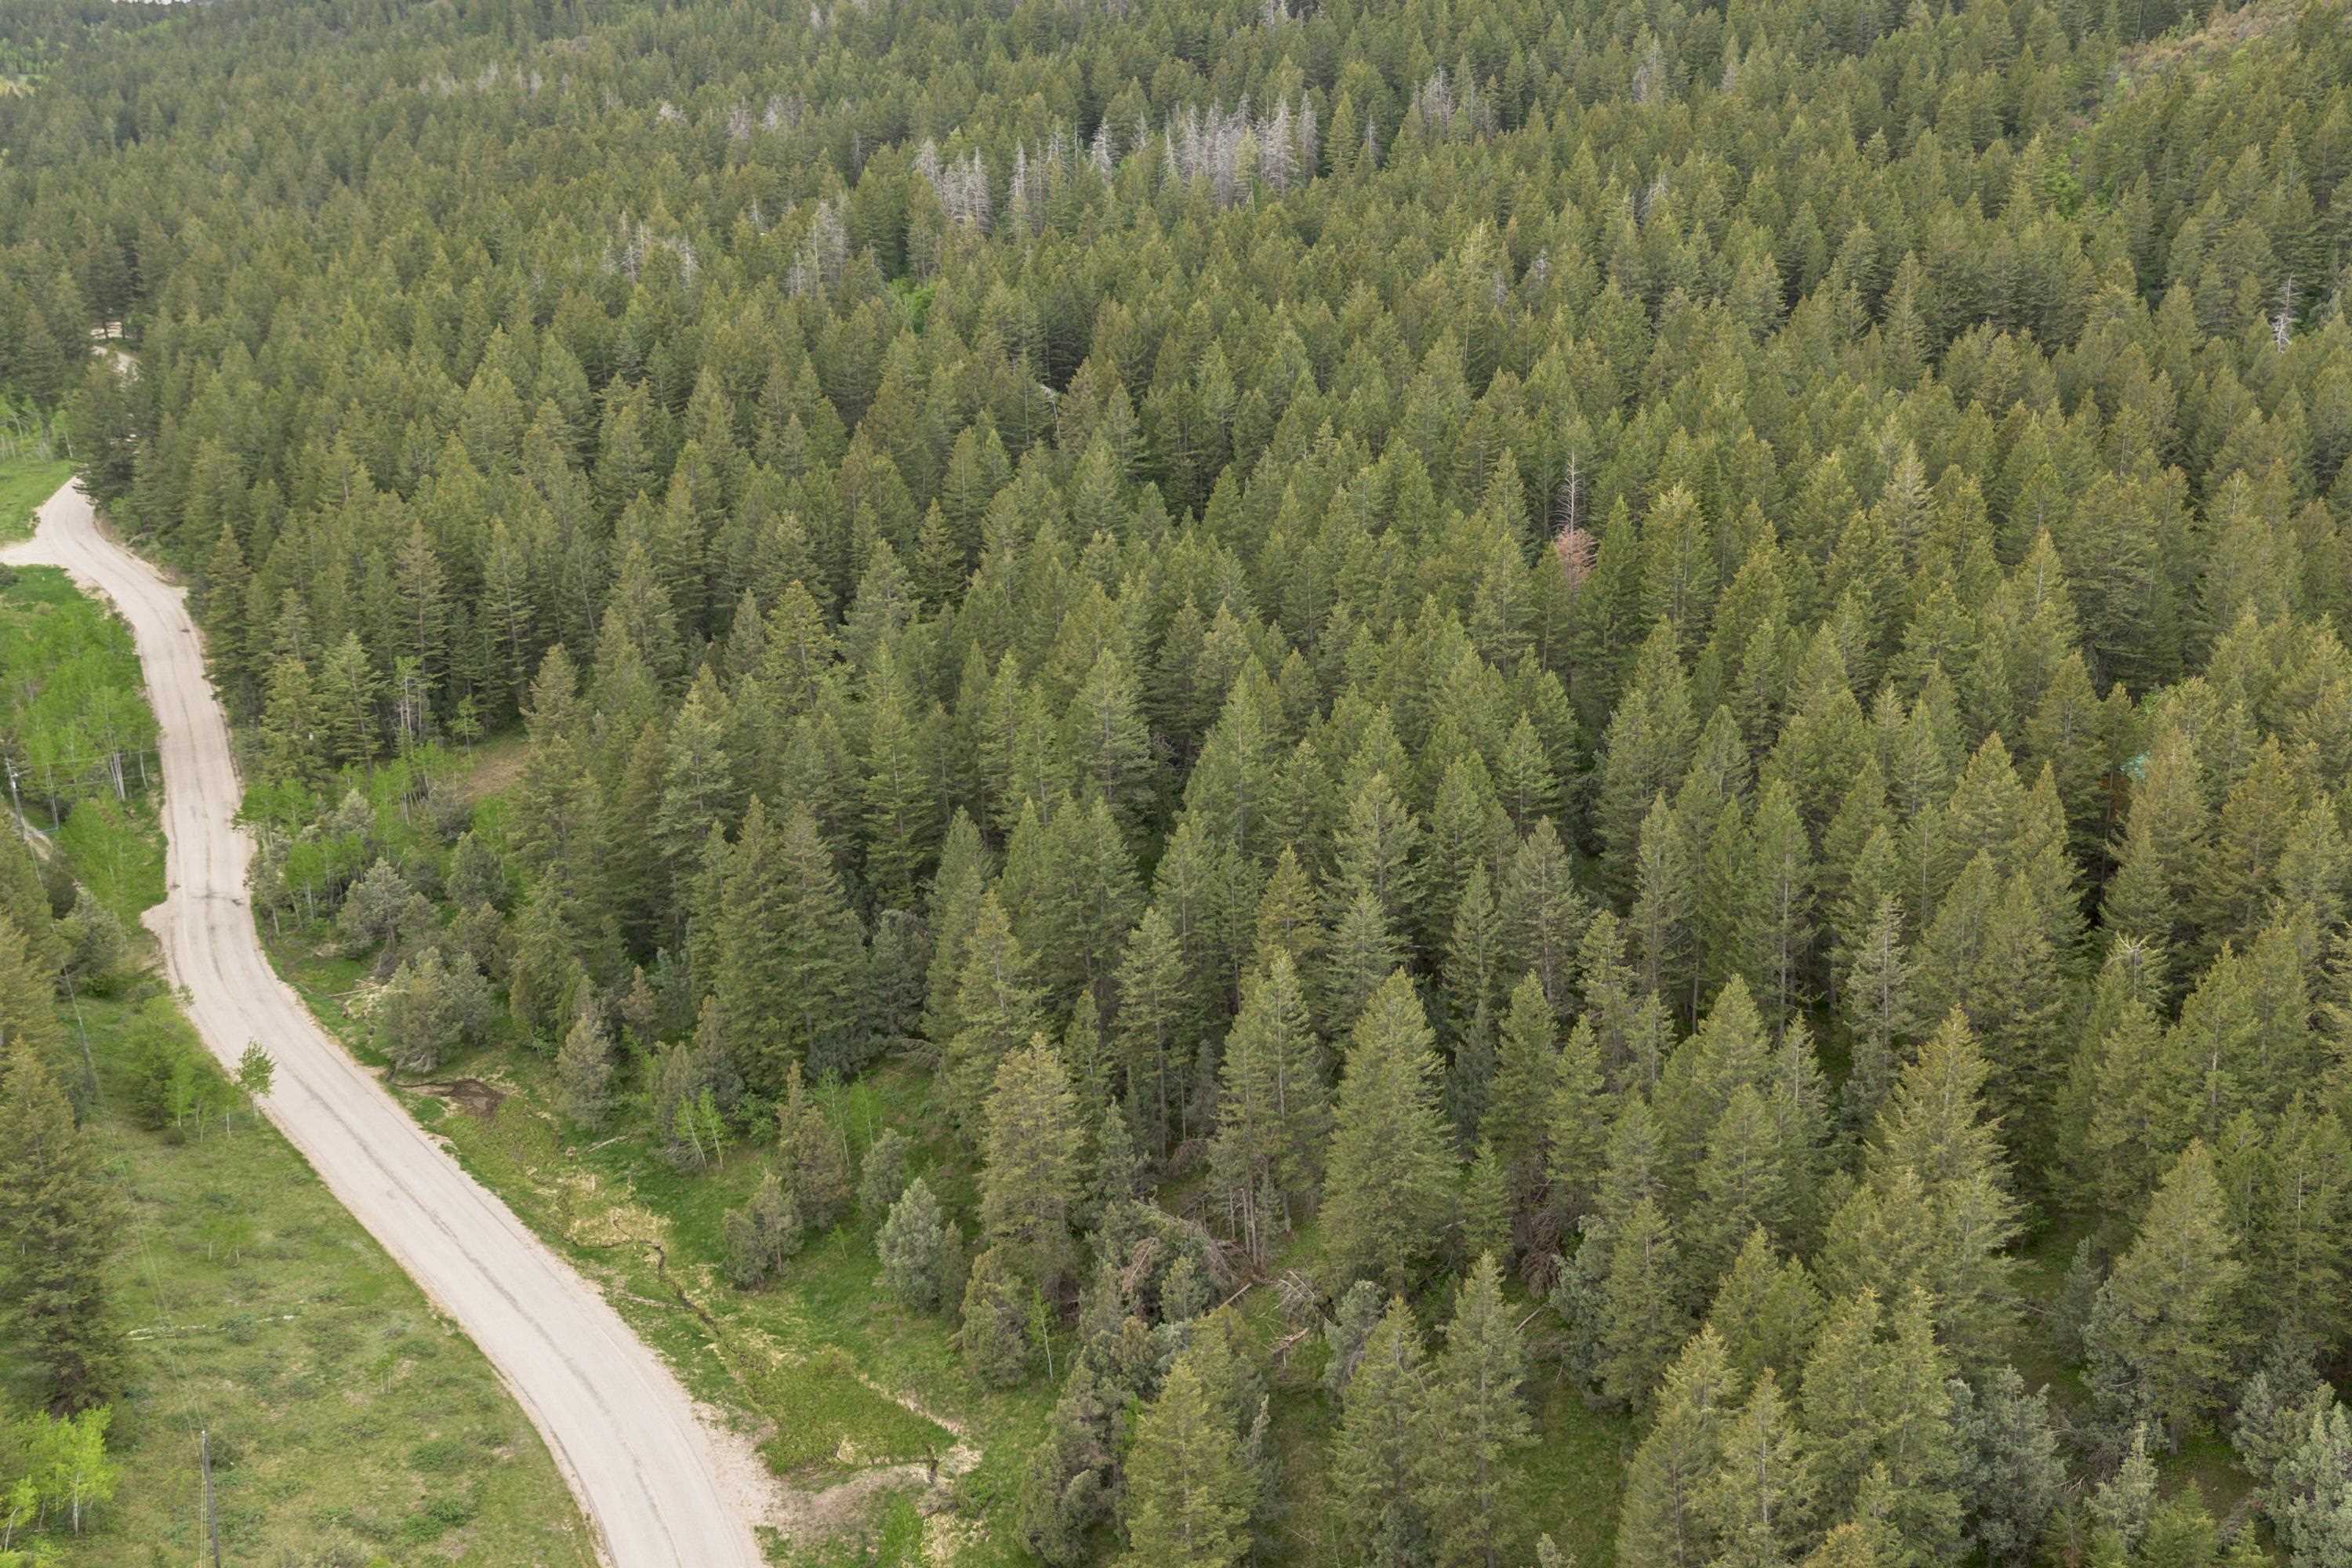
pixel 1577 1129
pixel 1743 1185
pixel 28 1011
pixel 1384 1432
pixel 57 1226
pixel 1151 1031
pixel 1665 1519
pixel 1518 1112
pixel 1759 1501
pixel 1766 1312
pixel 1935 1168
pixel 1477 1418
pixel 1187 1492
pixel 1387 1190
pixel 2165 1336
pixel 997 1009
pixel 1274 1112
pixel 1641 1319
pixel 1875 999
pixel 790 953
pixel 25 904
pixel 1875 1397
pixel 1032 1176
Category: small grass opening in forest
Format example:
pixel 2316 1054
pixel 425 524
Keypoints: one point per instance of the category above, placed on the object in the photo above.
pixel 31 469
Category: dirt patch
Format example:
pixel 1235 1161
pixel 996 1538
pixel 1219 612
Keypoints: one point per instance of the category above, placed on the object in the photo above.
pixel 802 1516
pixel 492 768
pixel 2224 33
pixel 813 1514
pixel 744 1479
pixel 946 1536
pixel 471 1095
pixel 808 1515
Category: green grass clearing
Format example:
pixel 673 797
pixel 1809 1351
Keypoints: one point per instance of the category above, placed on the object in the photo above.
pixel 350 1422
pixel 117 851
pixel 77 732
pixel 26 481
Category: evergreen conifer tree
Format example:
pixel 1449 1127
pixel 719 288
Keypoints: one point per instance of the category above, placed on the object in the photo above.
pixel 1388 1188
pixel 910 1245
pixel 790 953
pixel 2164 1337
pixel 1034 1174
pixel 812 1157
pixel 1477 1419
pixel 1766 1312
pixel 1384 1432
pixel 1664 1518
pixel 1760 1502
pixel 57 1227
pixel 584 1069
pixel 1641 1318
pixel 997 1010
pixel 1274 1113
pixel 1187 1500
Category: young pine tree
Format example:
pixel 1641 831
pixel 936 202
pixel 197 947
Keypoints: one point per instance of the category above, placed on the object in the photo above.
pixel 1743 1185
pixel 998 1318
pixel 583 1070
pixel 1346 1333
pixel 28 1010
pixel 812 1157
pixel 25 905
pixel 882 1174
pixel 1484 1225
pixel 953 913
pixel 1577 1130
pixel 763 1234
pixel 911 1244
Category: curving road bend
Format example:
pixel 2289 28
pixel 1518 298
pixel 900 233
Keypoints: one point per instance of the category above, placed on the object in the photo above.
pixel 653 1479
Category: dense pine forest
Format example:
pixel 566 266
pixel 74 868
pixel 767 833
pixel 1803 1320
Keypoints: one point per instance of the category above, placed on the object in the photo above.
pixel 1607 712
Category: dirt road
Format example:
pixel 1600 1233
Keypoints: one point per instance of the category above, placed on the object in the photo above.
pixel 661 1486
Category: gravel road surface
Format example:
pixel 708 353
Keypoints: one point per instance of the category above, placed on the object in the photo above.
pixel 661 1486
